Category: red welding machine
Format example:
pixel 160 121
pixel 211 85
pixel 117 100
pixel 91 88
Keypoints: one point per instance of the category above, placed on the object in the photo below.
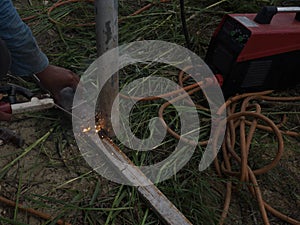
pixel 255 52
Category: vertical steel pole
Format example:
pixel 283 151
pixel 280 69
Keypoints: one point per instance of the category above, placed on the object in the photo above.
pixel 107 38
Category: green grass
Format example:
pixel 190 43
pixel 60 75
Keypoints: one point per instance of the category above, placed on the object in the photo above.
pixel 58 181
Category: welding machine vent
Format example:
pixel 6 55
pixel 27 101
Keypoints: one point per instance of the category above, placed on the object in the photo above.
pixel 252 56
pixel 257 73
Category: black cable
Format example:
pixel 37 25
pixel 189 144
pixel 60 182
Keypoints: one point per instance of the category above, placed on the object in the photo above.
pixel 184 26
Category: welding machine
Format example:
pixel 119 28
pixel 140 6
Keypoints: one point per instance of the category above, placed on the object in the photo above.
pixel 255 52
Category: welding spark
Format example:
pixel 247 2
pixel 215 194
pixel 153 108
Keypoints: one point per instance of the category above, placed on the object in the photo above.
pixel 98 128
pixel 86 129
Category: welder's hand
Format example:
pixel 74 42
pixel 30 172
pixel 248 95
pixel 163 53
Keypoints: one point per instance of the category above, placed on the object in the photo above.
pixel 5 116
pixel 55 78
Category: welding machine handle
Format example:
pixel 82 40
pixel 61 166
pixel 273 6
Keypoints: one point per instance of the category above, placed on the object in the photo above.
pixel 266 14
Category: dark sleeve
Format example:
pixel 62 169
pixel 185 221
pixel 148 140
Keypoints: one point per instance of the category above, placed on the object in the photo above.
pixel 27 58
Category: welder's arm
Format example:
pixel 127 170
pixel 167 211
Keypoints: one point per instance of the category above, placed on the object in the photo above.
pixel 27 58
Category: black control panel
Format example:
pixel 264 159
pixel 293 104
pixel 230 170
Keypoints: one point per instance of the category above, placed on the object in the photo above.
pixel 226 46
pixel 236 33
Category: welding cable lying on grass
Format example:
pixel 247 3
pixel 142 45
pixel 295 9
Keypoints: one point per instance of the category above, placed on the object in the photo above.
pixel 64 2
pixel 246 174
pixel 237 119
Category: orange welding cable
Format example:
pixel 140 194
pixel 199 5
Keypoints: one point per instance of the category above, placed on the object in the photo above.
pixel 257 191
pixel 181 79
pixel 288 133
pixel 273 128
pixel 236 98
pixel 269 98
pixel 28 18
pixel 243 152
pixel 227 200
pixel 34 212
pixel 172 93
pixel 284 99
pixel 281 215
pixel 60 3
pixel 173 133
pixel 280 124
pixel 226 157
pixel 276 132
pixel 278 99
pixel 274 211
pixel 166 104
pixel 269 208
pixel 259 197
pixel 245 140
pixel 247 174
pixel 64 2
pixel 146 7
pixel 262 96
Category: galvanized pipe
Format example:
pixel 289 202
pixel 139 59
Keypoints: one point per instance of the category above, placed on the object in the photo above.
pixel 106 25
pixel 107 38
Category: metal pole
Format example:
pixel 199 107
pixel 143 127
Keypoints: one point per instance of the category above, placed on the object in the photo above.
pixel 107 38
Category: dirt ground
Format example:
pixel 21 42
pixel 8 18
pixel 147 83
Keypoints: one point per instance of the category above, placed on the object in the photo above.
pixel 44 170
